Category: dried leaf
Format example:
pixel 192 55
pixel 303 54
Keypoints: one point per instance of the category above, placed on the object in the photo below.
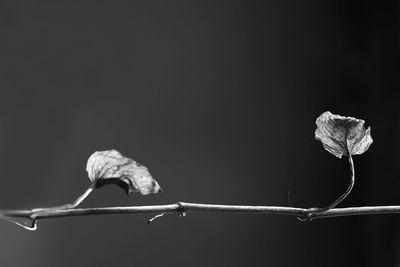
pixel 111 167
pixel 342 135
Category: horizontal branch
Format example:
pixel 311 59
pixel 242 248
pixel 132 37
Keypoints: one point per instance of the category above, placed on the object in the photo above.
pixel 181 208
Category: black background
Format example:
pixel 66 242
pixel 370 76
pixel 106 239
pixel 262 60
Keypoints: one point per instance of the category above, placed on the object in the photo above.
pixel 219 100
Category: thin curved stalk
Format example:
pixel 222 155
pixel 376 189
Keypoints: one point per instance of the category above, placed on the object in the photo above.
pixel 348 190
pixel 33 219
pixel 72 205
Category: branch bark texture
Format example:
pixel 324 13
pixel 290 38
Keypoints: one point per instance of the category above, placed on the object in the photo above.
pixel 182 208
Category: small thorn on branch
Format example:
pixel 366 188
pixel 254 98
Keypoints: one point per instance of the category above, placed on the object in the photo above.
pixel 155 217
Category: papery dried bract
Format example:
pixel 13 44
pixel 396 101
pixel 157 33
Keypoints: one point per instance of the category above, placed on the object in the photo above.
pixel 342 135
pixel 111 167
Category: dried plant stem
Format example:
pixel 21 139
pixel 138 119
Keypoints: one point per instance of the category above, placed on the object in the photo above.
pixel 72 205
pixel 33 226
pixel 184 207
pixel 348 190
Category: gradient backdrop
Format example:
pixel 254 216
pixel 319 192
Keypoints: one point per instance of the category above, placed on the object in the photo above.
pixel 219 100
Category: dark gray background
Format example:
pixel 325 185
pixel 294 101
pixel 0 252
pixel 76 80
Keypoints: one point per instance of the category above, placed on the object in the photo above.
pixel 219 100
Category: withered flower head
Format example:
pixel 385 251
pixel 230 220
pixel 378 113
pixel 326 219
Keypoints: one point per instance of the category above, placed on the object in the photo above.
pixel 111 167
pixel 342 135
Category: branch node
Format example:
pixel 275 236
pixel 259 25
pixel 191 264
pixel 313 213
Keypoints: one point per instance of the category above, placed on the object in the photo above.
pixel 305 216
pixel 182 211
pixel 314 212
